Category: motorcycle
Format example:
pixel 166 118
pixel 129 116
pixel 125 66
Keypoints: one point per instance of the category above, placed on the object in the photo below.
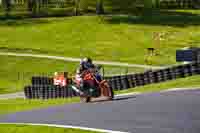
pixel 92 88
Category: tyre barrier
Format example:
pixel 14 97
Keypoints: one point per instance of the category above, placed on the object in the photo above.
pixel 48 92
pixel 140 79
pixel 38 80
pixel 43 88
pixel 174 4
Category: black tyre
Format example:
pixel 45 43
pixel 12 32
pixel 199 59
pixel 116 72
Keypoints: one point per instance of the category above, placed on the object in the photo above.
pixel 85 99
pixel 112 93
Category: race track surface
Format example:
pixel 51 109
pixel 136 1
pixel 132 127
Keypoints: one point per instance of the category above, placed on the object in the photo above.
pixel 166 112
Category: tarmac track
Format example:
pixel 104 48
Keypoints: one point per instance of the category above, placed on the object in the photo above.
pixel 165 112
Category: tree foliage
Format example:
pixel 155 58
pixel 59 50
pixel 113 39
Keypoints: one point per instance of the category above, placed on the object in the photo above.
pixel 7 6
pixel 100 7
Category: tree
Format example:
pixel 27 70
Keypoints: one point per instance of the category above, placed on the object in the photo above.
pixel 99 7
pixel 126 6
pixel 196 4
pixel 76 7
pixel 6 6
pixel 33 6
pixel 84 5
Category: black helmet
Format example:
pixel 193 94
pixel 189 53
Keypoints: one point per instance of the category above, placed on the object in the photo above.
pixel 89 60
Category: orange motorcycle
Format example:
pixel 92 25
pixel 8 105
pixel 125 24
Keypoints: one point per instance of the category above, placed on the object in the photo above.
pixel 93 89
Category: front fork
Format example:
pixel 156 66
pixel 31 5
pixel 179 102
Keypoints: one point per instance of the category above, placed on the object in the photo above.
pixel 77 90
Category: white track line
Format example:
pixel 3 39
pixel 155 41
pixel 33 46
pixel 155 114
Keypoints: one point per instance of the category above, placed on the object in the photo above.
pixel 180 89
pixel 66 126
pixel 78 60
pixel 12 95
pixel 128 94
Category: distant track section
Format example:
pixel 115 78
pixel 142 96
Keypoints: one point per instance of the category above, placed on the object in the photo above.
pixel 71 59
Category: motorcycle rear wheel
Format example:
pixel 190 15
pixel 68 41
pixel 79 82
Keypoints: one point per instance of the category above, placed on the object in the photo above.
pixel 85 99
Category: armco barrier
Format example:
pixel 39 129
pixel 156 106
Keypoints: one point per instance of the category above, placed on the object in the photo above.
pixel 42 87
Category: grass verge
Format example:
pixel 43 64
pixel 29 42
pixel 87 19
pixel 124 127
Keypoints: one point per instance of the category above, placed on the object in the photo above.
pixel 9 128
pixel 16 105
pixel 16 72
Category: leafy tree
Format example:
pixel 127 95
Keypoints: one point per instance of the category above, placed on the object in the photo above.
pixel 76 7
pixel 84 5
pixel 126 6
pixel 33 6
pixel 7 6
pixel 196 4
pixel 99 7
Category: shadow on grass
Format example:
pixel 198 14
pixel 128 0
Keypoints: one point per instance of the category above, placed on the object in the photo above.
pixel 21 50
pixel 28 20
pixel 29 50
pixel 4 91
pixel 17 18
pixel 162 18
pixel 22 21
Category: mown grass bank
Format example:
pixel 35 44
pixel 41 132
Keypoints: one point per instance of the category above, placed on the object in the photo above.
pixel 16 72
pixel 119 38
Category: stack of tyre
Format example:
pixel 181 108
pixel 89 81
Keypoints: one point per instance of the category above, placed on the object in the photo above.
pixel 43 88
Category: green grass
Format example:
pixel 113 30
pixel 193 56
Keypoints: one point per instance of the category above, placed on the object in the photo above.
pixel 192 81
pixel 117 38
pixel 16 105
pixel 9 128
pixel 117 70
pixel 16 72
